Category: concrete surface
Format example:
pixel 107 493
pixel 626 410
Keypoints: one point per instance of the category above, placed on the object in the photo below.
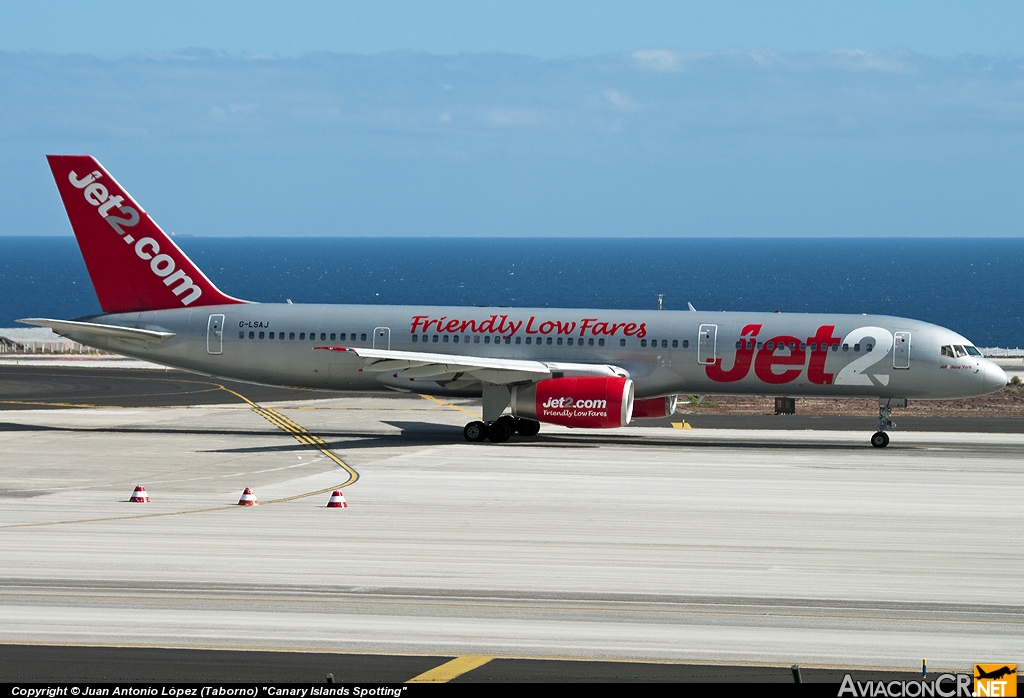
pixel 703 545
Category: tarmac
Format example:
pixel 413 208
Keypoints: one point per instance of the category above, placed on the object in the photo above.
pixel 729 550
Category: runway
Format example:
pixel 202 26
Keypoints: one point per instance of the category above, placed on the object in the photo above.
pixel 732 547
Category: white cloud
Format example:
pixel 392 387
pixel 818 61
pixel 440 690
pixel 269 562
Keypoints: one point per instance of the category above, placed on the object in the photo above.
pixel 661 60
pixel 621 100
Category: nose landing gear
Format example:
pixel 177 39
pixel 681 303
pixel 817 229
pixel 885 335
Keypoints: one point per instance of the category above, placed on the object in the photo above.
pixel 880 439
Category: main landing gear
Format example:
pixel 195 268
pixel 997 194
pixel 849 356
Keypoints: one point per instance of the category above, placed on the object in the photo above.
pixel 880 439
pixel 501 429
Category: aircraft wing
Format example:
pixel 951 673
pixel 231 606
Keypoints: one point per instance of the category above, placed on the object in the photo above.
pixel 73 328
pixel 427 365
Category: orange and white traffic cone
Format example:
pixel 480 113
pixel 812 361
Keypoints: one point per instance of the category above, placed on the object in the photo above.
pixel 139 495
pixel 337 501
pixel 248 499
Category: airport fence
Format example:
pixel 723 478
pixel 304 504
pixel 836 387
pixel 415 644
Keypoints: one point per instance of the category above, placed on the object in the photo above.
pixel 10 346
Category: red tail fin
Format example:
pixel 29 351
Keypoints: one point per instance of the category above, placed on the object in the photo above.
pixel 132 263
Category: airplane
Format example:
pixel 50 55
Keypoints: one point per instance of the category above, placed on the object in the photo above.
pixel 573 367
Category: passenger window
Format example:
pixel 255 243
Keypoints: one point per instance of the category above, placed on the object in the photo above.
pixel 252 335
pixel 476 339
pixel 445 339
pixel 835 347
pixel 270 336
pixel 622 342
pixel 769 346
pixel 280 335
pixel 664 344
pixel 600 342
pixel 362 337
pixel 508 340
pixel 302 335
pixel 802 346
pixel 549 341
pixel 455 339
pixel 760 344
pixel 415 338
pixel 487 339
pixel 675 343
pixel 341 336
pixel 569 341
pixel 323 336
pixel 590 342
pixel 435 339
pixel 868 347
pixel 643 342
pixel 856 347
pixel 291 335
pixel 262 335
pixel 792 346
pixel 846 347
pixel 241 335
pixel 332 336
pixel 559 341
pixel 739 345
pixel 529 340
pixel 519 340
pixel 686 344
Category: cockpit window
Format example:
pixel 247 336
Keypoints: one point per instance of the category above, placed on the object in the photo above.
pixel 972 351
pixel 947 350
pixel 959 351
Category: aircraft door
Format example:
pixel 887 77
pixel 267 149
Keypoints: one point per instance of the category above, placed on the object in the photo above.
pixel 215 335
pixel 381 337
pixel 901 350
pixel 707 344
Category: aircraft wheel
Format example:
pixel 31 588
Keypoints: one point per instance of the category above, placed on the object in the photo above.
pixel 512 422
pixel 879 439
pixel 475 431
pixel 528 427
pixel 498 432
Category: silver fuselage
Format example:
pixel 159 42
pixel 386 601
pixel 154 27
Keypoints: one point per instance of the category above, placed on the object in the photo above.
pixel 664 352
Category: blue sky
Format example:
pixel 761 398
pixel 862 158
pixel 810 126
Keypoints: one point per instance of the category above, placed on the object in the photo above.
pixel 547 29
pixel 525 118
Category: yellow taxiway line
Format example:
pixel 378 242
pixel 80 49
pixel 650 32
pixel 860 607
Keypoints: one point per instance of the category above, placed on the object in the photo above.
pixel 451 670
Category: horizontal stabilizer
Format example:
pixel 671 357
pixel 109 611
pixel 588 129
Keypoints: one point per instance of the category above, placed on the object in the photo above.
pixel 67 328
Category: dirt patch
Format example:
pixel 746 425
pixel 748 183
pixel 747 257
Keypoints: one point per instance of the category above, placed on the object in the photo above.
pixel 1008 402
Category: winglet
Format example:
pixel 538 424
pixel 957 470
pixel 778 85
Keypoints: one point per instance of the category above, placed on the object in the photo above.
pixel 133 264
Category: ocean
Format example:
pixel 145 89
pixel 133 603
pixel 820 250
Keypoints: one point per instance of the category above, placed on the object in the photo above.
pixel 973 286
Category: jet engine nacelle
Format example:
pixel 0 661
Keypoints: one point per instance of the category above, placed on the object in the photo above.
pixel 589 402
pixel 655 407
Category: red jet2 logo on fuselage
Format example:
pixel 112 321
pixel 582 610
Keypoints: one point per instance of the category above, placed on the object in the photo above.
pixel 798 354
pixel 162 265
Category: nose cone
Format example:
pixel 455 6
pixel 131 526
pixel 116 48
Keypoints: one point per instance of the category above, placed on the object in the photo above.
pixel 995 377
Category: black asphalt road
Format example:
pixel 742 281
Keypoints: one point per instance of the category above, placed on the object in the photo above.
pixel 33 387
pixel 42 663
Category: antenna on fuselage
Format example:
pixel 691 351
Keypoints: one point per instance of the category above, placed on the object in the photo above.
pixel 661 297
pixel 690 306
